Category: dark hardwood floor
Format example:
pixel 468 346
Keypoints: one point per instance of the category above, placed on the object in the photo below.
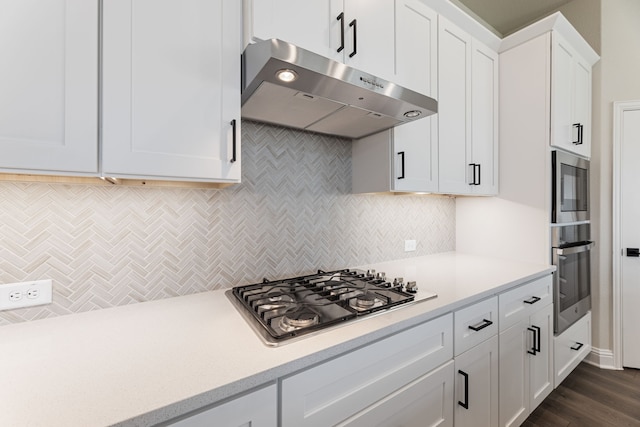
pixel 591 397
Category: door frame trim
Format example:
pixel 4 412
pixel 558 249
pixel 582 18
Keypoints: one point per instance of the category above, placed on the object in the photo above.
pixel 619 108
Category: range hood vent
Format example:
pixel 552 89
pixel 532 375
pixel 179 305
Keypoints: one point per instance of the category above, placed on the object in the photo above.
pixel 322 95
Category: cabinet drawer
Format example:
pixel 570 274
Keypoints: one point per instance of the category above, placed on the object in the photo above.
pixel 517 304
pixel 336 390
pixel 571 347
pixel 427 401
pixel 474 324
pixel 257 409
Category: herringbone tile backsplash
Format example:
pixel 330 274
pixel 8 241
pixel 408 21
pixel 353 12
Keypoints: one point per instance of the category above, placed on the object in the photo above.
pixel 293 213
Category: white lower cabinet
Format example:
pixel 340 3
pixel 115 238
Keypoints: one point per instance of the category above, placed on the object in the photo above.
pixel 257 409
pixel 526 365
pixel 475 345
pixel 396 375
pixel 425 402
pixel 571 347
pixel 476 386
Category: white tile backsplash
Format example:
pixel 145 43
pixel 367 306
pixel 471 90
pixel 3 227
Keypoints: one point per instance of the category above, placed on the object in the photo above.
pixel 293 213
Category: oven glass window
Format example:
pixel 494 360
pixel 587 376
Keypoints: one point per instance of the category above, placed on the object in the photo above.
pixel 574 189
pixel 574 278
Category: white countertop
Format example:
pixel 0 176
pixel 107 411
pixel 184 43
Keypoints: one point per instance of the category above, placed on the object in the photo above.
pixel 145 363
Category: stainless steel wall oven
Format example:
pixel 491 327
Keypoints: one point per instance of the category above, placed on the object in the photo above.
pixel 571 242
pixel 571 254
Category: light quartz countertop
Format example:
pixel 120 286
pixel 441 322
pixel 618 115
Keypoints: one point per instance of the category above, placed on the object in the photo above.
pixel 146 363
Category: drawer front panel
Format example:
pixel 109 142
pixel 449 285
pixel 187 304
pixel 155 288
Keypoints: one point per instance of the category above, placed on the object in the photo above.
pixel 474 324
pixel 519 303
pixel 428 401
pixel 336 390
pixel 571 347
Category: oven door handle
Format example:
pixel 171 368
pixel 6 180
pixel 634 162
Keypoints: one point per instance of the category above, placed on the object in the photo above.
pixel 575 249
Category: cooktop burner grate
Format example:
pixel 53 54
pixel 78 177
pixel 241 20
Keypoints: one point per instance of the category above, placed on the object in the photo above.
pixel 292 307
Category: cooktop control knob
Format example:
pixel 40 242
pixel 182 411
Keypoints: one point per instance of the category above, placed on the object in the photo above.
pixel 398 282
pixel 381 276
pixel 411 287
pixel 371 274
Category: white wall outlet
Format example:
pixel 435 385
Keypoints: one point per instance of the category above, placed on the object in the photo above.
pixel 25 294
pixel 409 245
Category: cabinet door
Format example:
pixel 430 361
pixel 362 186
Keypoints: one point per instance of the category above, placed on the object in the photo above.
pixel 562 129
pixel 454 107
pixel 415 156
pixel 570 98
pixel 257 409
pixel 416 69
pixel 514 374
pixel 541 363
pixel 369 42
pixel 484 119
pixel 416 47
pixel 310 24
pixel 49 86
pixel 426 402
pixel 476 386
pixel 582 104
pixel 171 89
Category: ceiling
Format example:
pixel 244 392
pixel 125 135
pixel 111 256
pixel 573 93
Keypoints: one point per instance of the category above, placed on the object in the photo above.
pixel 506 16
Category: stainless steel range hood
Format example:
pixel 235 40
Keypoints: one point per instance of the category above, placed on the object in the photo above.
pixel 324 96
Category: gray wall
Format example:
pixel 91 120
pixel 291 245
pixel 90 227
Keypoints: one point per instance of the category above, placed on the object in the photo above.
pixel 293 213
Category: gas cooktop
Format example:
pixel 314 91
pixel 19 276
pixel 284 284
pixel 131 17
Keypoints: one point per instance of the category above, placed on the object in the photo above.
pixel 285 309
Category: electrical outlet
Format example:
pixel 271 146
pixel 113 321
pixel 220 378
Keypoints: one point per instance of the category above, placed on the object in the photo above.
pixel 25 294
pixel 409 245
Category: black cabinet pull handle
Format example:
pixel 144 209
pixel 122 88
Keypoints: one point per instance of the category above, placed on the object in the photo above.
pixel 476 175
pixel 581 134
pixel 473 168
pixel 580 127
pixel 533 349
pixel 537 346
pixel 465 404
pixel 485 323
pixel 531 300
pixel 355 40
pixel 233 149
pixel 577 347
pixel 401 154
pixel 341 19
pixel 633 252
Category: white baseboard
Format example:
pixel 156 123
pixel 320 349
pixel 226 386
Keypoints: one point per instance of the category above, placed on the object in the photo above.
pixel 602 358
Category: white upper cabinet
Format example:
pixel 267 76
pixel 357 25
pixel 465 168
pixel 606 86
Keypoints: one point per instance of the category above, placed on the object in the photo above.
pixel 369 35
pixel 307 24
pixel 454 107
pixel 416 47
pixel 568 60
pixel 49 86
pixel 467 112
pixel 405 159
pixel 171 89
pixel 359 33
pixel 570 98
pixel 484 120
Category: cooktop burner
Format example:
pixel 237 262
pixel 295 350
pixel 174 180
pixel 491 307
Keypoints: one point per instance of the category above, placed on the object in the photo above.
pixel 283 309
